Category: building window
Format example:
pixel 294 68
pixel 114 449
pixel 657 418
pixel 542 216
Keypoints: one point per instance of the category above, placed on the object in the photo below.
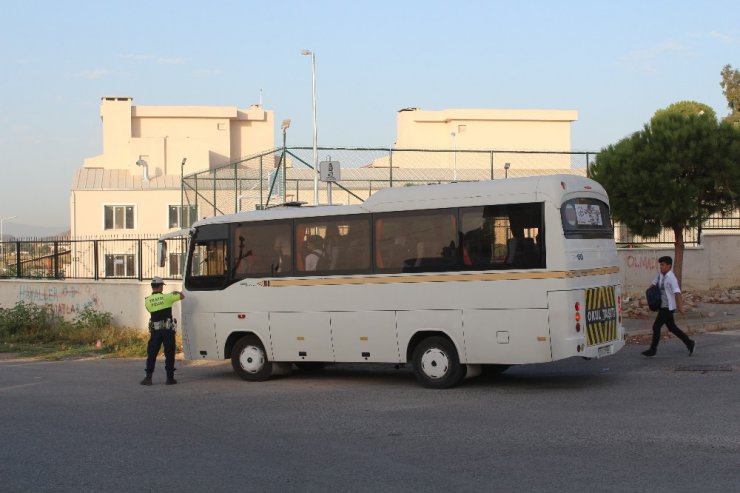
pixel 119 265
pixel 182 216
pixel 175 264
pixel 119 216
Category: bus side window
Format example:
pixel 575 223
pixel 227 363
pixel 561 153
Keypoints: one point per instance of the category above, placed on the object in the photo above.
pixel 261 249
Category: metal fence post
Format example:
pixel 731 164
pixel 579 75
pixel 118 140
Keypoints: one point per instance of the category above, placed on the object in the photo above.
pixel 56 260
pixel 262 199
pixel 18 272
pixel 96 269
pixel 138 255
pixel 390 163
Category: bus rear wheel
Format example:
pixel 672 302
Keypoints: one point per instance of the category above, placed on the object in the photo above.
pixel 436 363
pixel 249 359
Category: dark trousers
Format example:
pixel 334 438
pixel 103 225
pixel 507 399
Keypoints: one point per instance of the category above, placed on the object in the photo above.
pixel 157 338
pixel 665 317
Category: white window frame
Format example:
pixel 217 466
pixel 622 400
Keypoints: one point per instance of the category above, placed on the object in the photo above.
pixel 180 224
pixel 124 205
pixel 125 257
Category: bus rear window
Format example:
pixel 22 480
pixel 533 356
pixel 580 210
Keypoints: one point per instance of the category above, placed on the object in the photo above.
pixel 586 218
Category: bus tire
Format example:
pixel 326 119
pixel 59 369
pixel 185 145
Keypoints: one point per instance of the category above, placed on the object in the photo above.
pixel 436 363
pixel 249 359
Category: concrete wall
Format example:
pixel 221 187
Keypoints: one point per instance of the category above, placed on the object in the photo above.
pixel 123 299
pixel 713 265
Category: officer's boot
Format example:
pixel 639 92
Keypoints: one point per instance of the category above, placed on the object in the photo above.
pixel 147 379
pixel 171 379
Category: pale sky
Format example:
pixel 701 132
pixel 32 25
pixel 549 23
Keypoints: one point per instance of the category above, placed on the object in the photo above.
pixel 616 63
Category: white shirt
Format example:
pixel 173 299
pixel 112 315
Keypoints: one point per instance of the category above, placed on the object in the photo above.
pixel 670 287
pixel 312 259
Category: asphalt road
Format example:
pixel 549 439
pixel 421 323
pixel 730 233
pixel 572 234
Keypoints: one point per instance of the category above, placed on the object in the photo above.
pixel 625 423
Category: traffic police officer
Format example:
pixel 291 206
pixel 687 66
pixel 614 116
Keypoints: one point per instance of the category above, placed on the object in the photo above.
pixel 161 330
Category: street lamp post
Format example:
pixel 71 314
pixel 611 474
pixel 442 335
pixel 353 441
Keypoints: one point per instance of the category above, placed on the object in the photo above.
pixel 182 193
pixel 285 126
pixel 2 237
pixel 315 138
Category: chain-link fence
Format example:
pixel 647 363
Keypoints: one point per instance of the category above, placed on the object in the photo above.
pixel 288 174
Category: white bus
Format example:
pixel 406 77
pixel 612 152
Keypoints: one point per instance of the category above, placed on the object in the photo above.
pixel 455 279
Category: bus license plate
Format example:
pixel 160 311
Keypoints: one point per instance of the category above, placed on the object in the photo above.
pixel 605 351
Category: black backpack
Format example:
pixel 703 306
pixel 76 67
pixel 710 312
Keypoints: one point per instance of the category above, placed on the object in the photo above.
pixel 653 297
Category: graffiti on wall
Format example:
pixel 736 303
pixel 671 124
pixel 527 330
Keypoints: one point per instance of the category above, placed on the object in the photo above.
pixel 65 300
pixel 642 262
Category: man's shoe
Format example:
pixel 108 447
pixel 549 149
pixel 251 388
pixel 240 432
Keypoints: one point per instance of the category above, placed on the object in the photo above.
pixel 170 381
pixel 691 345
pixel 649 352
pixel 146 381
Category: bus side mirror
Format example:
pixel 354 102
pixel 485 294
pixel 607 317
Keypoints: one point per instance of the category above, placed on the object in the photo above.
pixel 161 253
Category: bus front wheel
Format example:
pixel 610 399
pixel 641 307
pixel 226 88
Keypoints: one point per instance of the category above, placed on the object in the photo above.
pixel 436 363
pixel 249 359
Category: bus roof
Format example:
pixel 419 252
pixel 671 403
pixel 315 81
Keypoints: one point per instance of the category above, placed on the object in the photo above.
pixel 528 189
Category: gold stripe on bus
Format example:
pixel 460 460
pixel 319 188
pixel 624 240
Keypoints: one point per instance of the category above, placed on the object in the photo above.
pixel 406 279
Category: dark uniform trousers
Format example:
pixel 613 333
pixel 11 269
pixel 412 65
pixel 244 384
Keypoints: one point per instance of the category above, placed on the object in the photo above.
pixel 157 338
pixel 665 317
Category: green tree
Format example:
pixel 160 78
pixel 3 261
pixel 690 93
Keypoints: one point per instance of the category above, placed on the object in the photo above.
pixel 731 89
pixel 674 173
pixel 687 108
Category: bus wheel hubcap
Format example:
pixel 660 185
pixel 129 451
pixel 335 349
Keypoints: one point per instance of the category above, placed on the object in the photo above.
pixel 435 363
pixel 252 359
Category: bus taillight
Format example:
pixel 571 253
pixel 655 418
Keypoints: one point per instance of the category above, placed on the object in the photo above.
pixel 578 316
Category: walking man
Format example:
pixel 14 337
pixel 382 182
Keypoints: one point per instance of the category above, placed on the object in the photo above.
pixel 670 298
pixel 161 330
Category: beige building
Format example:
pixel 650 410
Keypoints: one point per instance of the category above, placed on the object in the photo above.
pixel 499 130
pixel 133 187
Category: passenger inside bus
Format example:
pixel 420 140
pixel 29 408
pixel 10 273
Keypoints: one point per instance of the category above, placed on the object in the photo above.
pixel 332 242
pixel 281 258
pixel 315 255
pixel 522 251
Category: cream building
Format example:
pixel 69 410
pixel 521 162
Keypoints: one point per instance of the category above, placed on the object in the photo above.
pixel 133 189
pixel 499 130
